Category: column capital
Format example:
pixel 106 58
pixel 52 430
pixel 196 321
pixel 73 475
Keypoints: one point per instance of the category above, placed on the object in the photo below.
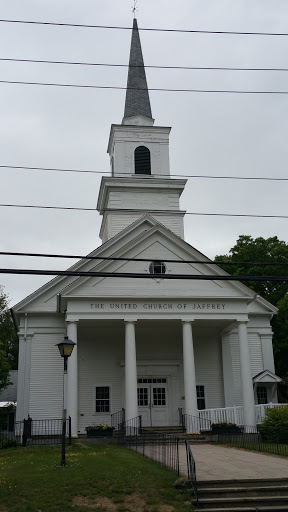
pixel 242 322
pixel 130 320
pixel 187 320
pixel 71 321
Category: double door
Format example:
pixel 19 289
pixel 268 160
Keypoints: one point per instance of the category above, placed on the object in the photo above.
pixel 153 401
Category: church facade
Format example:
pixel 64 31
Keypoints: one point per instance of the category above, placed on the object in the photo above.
pixel 146 342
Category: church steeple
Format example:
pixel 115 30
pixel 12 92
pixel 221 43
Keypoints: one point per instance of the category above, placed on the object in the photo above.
pixel 137 105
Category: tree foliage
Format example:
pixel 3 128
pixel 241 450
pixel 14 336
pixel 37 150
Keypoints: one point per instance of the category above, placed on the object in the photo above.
pixel 270 250
pixel 8 342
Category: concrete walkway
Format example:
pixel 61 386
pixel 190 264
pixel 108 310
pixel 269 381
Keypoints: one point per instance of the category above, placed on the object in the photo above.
pixel 214 462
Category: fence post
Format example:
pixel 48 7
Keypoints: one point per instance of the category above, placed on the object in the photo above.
pixel 177 455
pixel 69 427
pixel 24 437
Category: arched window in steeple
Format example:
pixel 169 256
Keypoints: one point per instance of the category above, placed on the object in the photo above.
pixel 142 160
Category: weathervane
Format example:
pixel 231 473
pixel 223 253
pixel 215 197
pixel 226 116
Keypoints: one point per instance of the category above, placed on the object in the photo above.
pixel 135 8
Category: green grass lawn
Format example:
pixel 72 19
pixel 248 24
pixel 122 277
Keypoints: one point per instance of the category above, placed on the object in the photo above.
pixel 105 478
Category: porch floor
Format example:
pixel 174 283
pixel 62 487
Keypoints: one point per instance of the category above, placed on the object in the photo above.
pixel 215 462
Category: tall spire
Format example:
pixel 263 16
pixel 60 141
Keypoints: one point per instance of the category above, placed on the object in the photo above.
pixel 137 97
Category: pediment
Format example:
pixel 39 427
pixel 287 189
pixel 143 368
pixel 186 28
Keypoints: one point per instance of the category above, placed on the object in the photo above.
pixel 266 376
pixel 146 240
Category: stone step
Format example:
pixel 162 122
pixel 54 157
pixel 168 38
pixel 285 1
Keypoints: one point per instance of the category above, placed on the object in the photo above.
pixel 273 508
pixel 242 482
pixel 238 492
pixel 213 504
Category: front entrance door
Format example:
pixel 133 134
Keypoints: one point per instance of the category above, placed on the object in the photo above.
pixel 153 401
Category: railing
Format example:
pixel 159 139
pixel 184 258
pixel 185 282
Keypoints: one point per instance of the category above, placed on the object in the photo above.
pixel 261 410
pixel 231 414
pixel 161 447
pixel 35 432
pixel 251 438
pixel 117 418
pixel 193 424
pixel 191 471
pixel 10 438
pixel 223 415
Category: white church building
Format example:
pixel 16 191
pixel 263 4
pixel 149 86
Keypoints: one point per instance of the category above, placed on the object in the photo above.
pixel 148 343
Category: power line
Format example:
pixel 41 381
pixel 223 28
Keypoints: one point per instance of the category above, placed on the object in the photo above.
pixel 102 64
pixel 137 210
pixel 200 176
pixel 157 89
pixel 110 27
pixel 137 275
pixel 115 258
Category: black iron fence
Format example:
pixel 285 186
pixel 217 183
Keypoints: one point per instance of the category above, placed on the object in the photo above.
pixel 191 470
pixel 159 446
pixel 34 432
pixel 250 438
pixel 10 437
pixel 117 419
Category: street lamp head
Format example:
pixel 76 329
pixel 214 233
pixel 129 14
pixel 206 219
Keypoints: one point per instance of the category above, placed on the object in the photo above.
pixel 66 347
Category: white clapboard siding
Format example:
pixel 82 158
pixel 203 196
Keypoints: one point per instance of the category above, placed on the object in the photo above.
pixel 46 382
pixel 209 368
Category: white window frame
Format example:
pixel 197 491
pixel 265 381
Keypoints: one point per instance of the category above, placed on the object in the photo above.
pixel 110 399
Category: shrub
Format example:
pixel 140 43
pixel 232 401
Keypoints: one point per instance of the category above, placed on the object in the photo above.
pixel 9 443
pixel 225 428
pixel 275 425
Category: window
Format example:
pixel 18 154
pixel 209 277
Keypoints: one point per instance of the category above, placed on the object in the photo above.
pixel 152 381
pixel 200 397
pixel 142 160
pixel 142 397
pixel 157 267
pixel 262 395
pixel 103 399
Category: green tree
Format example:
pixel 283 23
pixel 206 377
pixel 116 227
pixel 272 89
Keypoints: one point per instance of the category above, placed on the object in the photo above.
pixel 4 371
pixel 8 342
pixel 270 250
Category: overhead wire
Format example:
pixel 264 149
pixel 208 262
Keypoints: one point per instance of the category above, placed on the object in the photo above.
pixel 200 176
pixel 136 210
pixel 138 275
pixel 99 64
pixel 166 260
pixel 149 29
pixel 155 89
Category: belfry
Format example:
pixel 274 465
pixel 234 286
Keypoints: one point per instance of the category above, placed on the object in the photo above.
pixel 147 342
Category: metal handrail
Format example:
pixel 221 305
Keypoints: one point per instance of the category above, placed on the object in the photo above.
pixel 117 418
pixel 191 470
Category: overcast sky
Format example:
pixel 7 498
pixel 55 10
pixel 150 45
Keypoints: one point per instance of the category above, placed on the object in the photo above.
pixel 212 134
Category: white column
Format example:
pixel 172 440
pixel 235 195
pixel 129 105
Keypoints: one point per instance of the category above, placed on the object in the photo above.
pixel 228 381
pixel 249 415
pixel 189 375
pixel 131 402
pixel 72 380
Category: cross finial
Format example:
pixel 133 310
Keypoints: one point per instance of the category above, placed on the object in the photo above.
pixel 135 8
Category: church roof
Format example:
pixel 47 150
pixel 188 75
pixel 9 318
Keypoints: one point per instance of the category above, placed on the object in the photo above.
pixel 137 96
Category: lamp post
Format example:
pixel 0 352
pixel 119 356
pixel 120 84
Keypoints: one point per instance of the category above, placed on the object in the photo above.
pixel 65 348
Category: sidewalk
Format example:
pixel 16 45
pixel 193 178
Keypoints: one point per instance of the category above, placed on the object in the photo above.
pixel 214 462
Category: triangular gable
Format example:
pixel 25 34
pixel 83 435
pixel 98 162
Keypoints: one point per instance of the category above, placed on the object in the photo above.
pixel 144 239
pixel 266 376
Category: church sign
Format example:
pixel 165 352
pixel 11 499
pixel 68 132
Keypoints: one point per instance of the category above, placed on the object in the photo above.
pixel 149 306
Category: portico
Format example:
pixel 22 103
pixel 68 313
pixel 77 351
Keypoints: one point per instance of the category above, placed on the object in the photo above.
pixel 167 378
